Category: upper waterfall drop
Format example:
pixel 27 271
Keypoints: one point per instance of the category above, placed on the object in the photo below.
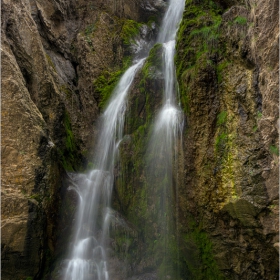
pixel 169 72
pixel 171 21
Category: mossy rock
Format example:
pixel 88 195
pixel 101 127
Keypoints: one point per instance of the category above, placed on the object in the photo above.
pixel 68 150
pixel 196 251
pixel 106 82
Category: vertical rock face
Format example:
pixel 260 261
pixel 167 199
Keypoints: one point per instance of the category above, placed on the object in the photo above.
pixel 24 174
pixel 227 70
pixel 30 172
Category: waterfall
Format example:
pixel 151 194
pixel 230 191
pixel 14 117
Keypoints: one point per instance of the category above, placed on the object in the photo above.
pixel 162 154
pixel 88 250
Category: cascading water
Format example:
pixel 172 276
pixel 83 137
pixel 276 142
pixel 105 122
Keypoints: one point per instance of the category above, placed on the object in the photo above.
pixel 162 147
pixel 88 251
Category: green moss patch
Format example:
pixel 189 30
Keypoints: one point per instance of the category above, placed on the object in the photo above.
pixel 130 29
pixel 220 69
pixel 240 20
pixel 222 117
pixel 198 44
pixel 105 84
pixel 199 259
pixel 274 150
pixel 68 153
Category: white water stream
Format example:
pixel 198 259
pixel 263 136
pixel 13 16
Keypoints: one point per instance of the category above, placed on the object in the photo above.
pixel 162 150
pixel 169 119
pixel 88 251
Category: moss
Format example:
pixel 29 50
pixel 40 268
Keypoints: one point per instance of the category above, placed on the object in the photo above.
pixel 200 58
pixel 201 263
pixel 152 65
pixel 154 57
pixel 106 82
pixel 220 141
pixel 68 153
pixel 225 162
pixel 70 143
pixel 208 32
pixel 198 43
pixel 274 150
pixel 240 20
pixel 259 115
pixel 130 29
pixel 220 68
pixel 185 99
pixel 221 118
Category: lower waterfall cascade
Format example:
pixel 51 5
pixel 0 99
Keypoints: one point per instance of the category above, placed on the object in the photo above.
pixel 88 256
